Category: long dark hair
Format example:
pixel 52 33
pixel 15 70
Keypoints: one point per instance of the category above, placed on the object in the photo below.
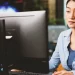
pixel 68 1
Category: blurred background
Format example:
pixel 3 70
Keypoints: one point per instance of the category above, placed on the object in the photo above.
pixel 55 14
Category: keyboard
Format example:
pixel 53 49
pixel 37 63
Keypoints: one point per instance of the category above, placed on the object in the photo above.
pixel 27 73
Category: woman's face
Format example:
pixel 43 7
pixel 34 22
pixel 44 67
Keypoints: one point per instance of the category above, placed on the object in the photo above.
pixel 70 14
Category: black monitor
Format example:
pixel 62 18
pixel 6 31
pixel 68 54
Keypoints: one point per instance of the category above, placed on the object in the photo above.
pixel 2 40
pixel 3 66
pixel 26 40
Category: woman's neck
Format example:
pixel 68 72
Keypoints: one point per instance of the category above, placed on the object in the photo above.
pixel 72 40
pixel 73 33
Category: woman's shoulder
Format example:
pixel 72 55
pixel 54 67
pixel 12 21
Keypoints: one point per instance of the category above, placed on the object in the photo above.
pixel 65 32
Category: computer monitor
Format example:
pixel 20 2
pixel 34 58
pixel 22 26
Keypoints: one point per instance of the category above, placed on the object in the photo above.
pixel 27 40
pixel 3 66
pixel 2 40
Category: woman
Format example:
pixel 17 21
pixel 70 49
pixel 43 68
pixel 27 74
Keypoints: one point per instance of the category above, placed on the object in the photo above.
pixel 65 49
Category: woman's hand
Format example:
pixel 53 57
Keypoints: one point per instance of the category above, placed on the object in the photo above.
pixel 63 72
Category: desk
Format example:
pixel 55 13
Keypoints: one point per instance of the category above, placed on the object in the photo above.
pixel 19 72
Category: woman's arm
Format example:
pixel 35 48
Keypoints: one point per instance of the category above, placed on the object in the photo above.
pixel 64 72
pixel 73 71
pixel 55 59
